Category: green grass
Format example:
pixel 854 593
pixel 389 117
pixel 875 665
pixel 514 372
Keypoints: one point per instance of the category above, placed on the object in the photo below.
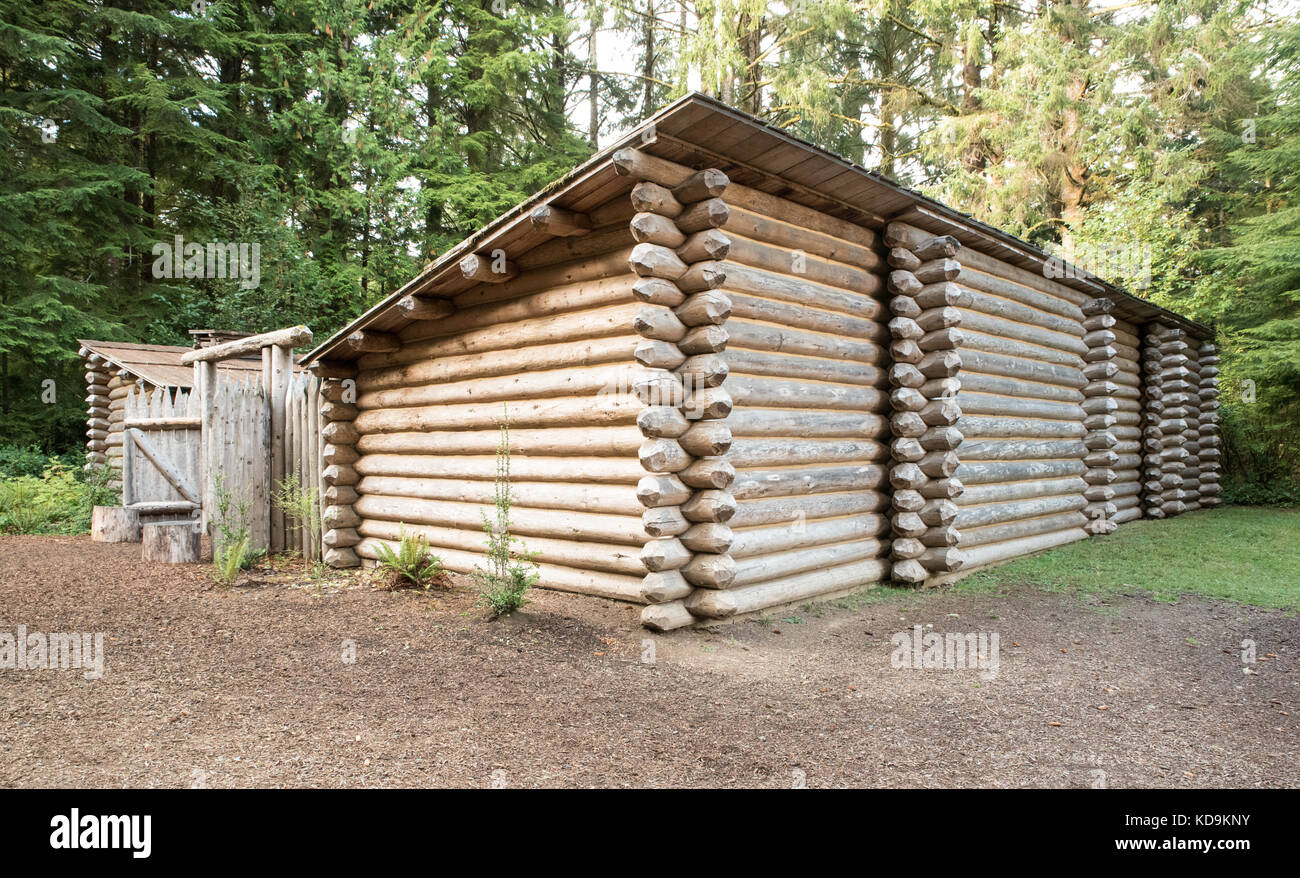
pixel 1249 555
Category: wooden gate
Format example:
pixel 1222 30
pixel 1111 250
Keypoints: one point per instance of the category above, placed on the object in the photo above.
pixel 160 454
pixel 235 447
pixel 218 453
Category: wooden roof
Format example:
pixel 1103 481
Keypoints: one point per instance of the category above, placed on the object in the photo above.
pixel 160 364
pixel 699 131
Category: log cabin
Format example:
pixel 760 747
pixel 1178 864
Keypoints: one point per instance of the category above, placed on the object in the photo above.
pixel 740 372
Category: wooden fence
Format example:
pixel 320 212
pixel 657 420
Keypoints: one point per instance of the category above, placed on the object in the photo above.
pixel 221 452
pixel 302 452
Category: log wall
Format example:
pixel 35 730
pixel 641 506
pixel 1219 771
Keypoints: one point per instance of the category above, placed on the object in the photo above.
pixel 926 422
pixel 549 345
pixel 1031 446
pixel 721 401
pixel 107 387
pixel 1128 427
pixel 1106 451
pixel 782 482
pixel 806 358
pixel 1207 418
pixel 1168 383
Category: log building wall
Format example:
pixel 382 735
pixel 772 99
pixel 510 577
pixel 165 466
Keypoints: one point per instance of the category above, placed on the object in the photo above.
pixel 721 401
pixel 1025 459
pixel 552 349
pixel 107 386
pixel 1128 428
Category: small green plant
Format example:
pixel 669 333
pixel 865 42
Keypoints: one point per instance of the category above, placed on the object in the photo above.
pixel 231 558
pixel 412 565
pixel 299 505
pixel 232 543
pixel 503 586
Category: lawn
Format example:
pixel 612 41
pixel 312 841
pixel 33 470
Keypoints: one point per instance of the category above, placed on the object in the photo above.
pixel 1246 554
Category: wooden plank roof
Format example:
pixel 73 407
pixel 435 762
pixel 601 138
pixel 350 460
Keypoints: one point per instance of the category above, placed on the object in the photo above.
pixel 700 131
pixel 160 364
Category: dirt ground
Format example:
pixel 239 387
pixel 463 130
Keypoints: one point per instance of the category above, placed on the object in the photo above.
pixel 248 686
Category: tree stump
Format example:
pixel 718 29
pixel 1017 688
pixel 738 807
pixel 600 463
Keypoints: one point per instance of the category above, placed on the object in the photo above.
pixel 114 524
pixel 172 542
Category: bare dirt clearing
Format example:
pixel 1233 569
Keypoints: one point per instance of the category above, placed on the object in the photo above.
pixel 247 686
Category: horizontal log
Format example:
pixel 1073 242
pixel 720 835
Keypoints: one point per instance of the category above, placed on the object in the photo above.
pixel 663 456
pixel 1023 369
pixel 793 452
pixel 652 197
pixel 553 576
pixel 1009 347
pixel 525 521
pixel 758 541
pixel 763 392
pixel 778 365
pixel 804 317
pixel 787 288
pixel 1060 299
pixel 976 427
pixel 530 332
pixel 548 469
pixel 653 228
pixel 750 513
pixel 490 269
pixel 608 410
pixel 294 336
pixel 600 498
pixel 782 231
pixel 708 472
pixel 710 537
pixel 722 604
pixel 557 221
pixel 752 423
pixel 970 517
pixel 666 616
pixel 1014 530
pixel 618 441
pixel 664 555
pixel 765 337
pixel 782 564
pixel 747 251
pixel 1002 406
pixel 664 521
pixel 998 471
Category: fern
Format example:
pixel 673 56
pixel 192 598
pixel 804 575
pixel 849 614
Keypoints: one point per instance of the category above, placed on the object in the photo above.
pixel 412 564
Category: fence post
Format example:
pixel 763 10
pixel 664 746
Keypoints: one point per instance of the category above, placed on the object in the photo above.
pixel 205 383
pixel 281 374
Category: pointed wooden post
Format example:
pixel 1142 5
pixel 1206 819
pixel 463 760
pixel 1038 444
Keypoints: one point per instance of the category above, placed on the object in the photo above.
pixel 281 374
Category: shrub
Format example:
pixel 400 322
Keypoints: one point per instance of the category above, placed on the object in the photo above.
pixel 412 565
pixel 16 460
pixel 299 505
pixel 59 500
pixel 233 540
pixel 503 586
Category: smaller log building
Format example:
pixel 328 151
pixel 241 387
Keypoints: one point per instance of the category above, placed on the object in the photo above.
pixel 114 367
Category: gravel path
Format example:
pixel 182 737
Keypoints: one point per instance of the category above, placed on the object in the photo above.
pixel 248 686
